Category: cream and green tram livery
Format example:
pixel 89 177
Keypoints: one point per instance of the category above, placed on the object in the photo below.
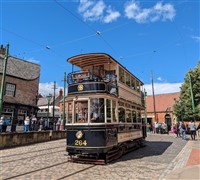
pixel 103 109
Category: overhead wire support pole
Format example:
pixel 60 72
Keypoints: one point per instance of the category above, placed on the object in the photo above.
pixel 54 98
pixel 145 106
pixel 154 101
pixel 63 106
pixel 3 78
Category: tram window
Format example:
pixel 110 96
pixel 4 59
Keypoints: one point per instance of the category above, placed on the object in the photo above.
pixel 138 86
pixel 81 111
pixel 108 110
pixel 128 116
pixel 133 83
pixel 128 81
pixel 139 119
pixel 121 75
pixel 134 118
pixel 69 112
pixel 114 111
pixel 97 110
pixel 121 114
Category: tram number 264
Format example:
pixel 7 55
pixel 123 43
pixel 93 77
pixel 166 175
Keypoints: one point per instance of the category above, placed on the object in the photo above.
pixel 80 142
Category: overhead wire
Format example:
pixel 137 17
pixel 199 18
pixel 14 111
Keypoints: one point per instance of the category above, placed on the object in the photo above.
pixel 90 27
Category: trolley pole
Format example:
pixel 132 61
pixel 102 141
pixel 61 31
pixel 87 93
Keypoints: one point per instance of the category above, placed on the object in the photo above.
pixel 63 107
pixel 3 78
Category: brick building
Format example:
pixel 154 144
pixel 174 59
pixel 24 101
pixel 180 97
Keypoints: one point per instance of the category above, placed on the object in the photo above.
pixel 21 87
pixel 164 108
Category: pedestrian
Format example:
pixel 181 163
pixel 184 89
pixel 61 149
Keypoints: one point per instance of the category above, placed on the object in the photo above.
pixel 178 129
pixel 41 124
pixel 34 123
pixel 13 125
pixel 26 124
pixel 4 125
pixel 1 123
pixel 174 128
pixel 198 131
pixel 183 130
pixel 192 129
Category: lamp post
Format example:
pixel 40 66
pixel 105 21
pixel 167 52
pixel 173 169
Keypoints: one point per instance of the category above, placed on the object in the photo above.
pixel 48 99
pixel 3 78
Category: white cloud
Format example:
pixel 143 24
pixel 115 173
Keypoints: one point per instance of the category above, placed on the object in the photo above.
pixel 92 11
pixel 162 88
pixel 32 60
pixel 111 16
pixel 196 38
pixel 46 88
pixel 97 11
pixel 160 11
pixel 159 79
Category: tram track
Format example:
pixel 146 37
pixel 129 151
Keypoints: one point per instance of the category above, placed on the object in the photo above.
pixel 31 152
pixel 75 173
pixel 37 170
pixel 32 157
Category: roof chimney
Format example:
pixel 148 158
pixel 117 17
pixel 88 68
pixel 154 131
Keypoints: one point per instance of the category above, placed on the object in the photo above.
pixel 60 93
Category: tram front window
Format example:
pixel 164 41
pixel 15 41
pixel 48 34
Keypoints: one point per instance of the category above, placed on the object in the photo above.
pixel 81 111
pixel 97 110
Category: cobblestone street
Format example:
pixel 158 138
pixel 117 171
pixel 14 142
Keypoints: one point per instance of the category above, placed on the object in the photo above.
pixel 161 155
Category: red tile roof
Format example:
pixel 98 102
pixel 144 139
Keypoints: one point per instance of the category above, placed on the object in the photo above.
pixel 163 102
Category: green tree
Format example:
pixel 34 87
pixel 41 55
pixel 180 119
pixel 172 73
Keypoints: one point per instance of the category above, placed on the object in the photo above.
pixel 183 107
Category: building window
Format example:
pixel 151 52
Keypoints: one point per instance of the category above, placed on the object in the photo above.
pixel 10 89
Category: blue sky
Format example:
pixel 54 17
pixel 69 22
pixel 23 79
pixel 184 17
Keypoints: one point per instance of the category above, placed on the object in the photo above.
pixel 144 36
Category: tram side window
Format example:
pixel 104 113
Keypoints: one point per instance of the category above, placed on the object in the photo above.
pixel 128 80
pixel 133 84
pixel 139 119
pixel 108 110
pixel 114 111
pixel 121 75
pixel 81 111
pixel 97 110
pixel 69 112
pixel 128 116
pixel 134 118
pixel 121 114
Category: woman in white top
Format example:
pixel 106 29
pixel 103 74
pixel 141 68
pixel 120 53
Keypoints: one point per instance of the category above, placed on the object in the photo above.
pixel 192 129
pixel 26 124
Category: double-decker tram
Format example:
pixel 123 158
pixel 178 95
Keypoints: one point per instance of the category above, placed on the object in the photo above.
pixel 103 106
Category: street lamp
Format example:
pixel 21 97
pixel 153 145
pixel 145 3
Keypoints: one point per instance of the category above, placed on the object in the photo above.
pixel 48 99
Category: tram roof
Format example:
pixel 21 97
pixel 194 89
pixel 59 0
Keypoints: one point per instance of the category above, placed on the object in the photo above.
pixel 89 59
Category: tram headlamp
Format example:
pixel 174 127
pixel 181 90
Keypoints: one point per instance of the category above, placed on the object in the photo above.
pixel 79 134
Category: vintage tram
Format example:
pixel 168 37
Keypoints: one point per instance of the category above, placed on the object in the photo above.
pixel 103 109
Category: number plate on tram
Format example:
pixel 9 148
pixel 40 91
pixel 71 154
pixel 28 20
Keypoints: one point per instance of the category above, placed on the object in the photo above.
pixel 80 142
